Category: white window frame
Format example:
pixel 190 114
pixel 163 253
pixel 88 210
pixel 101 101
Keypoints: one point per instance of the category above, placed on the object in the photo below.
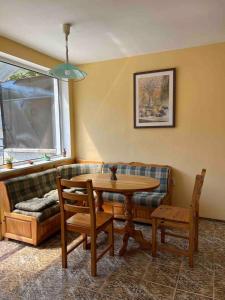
pixel 61 104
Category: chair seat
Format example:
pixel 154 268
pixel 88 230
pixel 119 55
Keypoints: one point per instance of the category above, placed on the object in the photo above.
pixel 83 221
pixel 172 213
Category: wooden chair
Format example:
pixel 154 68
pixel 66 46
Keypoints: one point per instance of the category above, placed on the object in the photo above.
pixel 84 220
pixel 183 219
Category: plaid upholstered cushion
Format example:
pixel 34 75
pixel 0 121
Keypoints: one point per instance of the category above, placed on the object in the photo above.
pixel 53 195
pixel 69 171
pixel 36 204
pixel 40 215
pixel 30 186
pixel 160 173
pixel 150 200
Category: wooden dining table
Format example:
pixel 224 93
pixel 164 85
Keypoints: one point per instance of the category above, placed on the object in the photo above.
pixel 126 185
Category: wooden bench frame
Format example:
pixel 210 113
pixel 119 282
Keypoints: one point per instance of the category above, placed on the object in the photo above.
pixel 25 228
pixel 21 227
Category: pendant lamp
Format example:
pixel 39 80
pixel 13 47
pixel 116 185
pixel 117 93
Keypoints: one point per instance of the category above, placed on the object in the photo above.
pixel 66 70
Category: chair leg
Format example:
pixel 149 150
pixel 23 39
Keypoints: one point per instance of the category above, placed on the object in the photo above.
pixel 196 234
pixel 154 236
pixel 93 256
pixel 111 239
pixel 191 248
pixel 85 241
pixel 64 248
pixel 163 235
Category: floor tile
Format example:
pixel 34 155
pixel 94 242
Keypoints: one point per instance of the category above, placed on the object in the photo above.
pixel 162 274
pixel 207 225
pixel 202 261
pixel 219 294
pixel 16 279
pixel 121 287
pixel 199 282
pixel 152 291
pixel 166 259
pixel 181 295
pixel 219 280
pixel 206 244
pixel 9 295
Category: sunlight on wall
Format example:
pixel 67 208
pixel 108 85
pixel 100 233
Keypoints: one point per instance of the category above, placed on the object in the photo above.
pixel 103 120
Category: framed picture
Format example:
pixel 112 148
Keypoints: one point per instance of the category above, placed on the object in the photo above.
pixel 154 98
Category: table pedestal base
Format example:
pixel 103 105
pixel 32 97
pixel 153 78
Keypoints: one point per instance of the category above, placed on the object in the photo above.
pixel 130 231
pixel 129 228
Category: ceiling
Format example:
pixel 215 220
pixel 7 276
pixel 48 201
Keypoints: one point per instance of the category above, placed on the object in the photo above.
pixel 108 29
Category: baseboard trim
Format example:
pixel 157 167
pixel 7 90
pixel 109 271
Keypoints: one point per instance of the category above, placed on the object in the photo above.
pixel 213 220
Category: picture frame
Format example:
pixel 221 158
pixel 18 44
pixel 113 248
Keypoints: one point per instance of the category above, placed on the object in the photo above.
pixel 155 98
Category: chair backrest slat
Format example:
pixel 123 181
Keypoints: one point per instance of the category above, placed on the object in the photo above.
pixel 70 183
pixel 199 180
pixel 76 209
pixel 75 197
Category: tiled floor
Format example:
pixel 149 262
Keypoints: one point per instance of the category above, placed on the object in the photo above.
pixel 28 272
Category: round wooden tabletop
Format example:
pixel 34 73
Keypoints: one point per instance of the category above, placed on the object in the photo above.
pixel 123 184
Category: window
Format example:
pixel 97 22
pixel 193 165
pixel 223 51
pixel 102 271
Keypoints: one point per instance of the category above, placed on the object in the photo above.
pixel 30 114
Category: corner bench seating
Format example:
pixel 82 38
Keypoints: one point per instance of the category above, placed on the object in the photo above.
pixel 31 207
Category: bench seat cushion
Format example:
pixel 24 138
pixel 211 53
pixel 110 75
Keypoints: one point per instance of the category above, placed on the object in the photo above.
pixel 43 208
pixel 40 215
pixel 35 204
pixel 147 199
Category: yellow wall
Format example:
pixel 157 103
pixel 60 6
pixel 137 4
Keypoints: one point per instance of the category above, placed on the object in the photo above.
pixel 23 52
pixel 104 120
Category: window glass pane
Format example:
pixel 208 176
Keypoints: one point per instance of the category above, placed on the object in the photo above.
pixel 1 140
pixel 28 115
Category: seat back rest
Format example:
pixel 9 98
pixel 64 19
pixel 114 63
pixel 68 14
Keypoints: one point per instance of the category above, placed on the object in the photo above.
pixel 83 203
pixel 199 180
pixel 159 172
pixel 29 186
pixel 69 171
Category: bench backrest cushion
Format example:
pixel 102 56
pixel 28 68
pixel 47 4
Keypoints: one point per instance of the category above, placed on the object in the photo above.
pixel 69 171
pixel 158 172
pixel 30 186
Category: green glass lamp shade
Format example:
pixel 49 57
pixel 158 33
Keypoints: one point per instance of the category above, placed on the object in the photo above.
pixel 67 71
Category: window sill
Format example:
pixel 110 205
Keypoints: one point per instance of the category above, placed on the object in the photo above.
pixel 27 168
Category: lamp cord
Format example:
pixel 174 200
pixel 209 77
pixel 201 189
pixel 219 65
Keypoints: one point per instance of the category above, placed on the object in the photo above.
pixel 66 30
pixel 67 51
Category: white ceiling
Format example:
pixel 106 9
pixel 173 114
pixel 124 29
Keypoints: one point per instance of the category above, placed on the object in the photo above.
pixel 107 29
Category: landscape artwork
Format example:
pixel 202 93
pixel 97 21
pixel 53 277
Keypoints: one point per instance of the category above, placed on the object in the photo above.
pixel 154 99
